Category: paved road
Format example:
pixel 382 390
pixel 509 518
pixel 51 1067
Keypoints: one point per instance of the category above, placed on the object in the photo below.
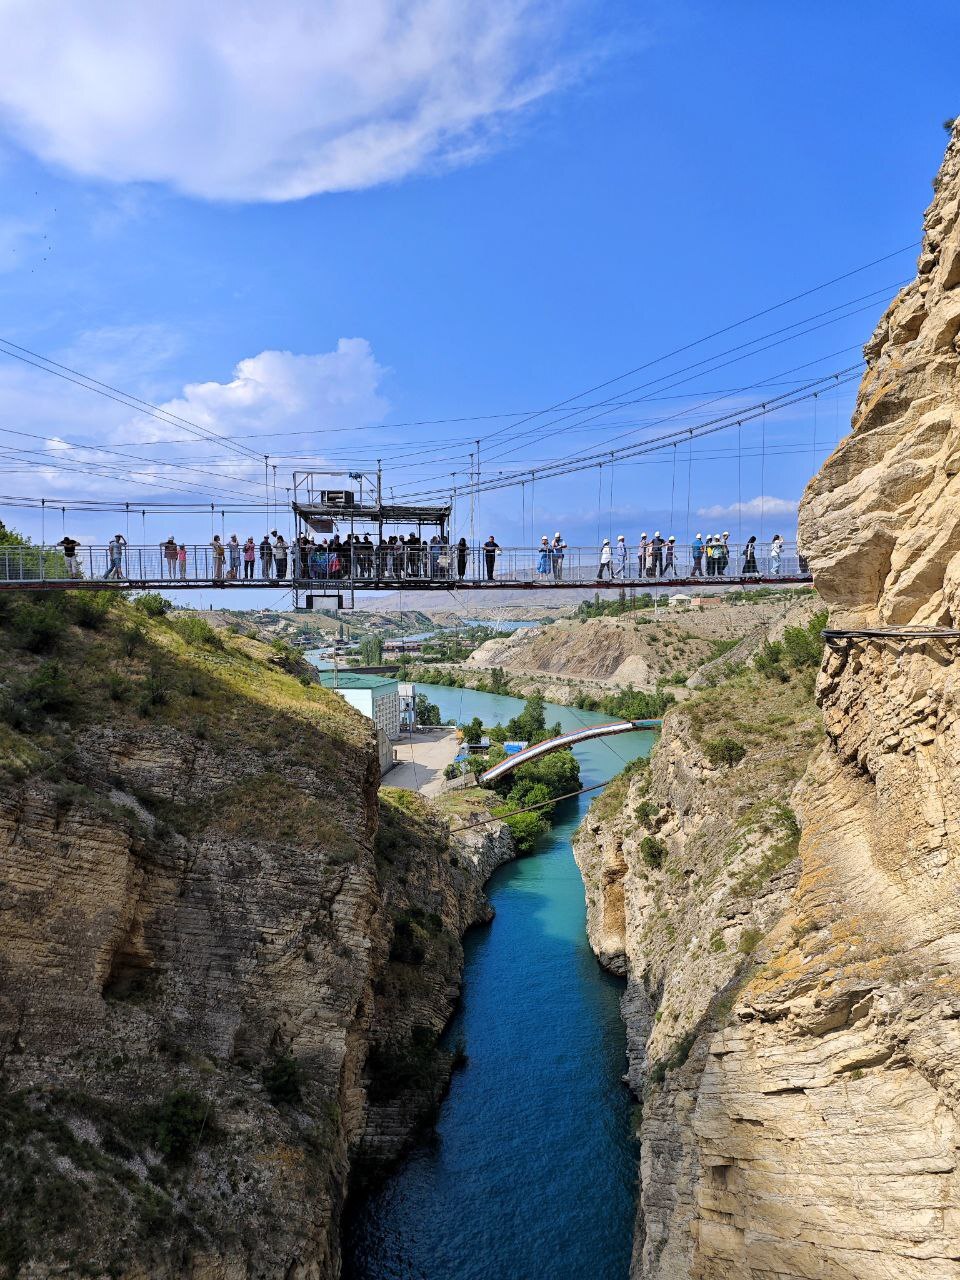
pixel 422 758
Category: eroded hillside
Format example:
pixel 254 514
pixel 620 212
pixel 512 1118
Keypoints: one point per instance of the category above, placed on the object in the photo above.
pixel 224 964
pixel 639 649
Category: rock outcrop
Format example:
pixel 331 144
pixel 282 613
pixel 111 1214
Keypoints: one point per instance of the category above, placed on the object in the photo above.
pixel 807 1125
pixel 224 961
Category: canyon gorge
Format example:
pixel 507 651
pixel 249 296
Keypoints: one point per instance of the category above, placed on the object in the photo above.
pixel 786 912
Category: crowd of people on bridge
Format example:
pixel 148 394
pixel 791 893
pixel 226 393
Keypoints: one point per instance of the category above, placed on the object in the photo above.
pixel 358 558
pixel 658 557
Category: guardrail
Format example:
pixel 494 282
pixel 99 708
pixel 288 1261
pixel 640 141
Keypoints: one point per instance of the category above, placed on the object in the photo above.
pixel 368 566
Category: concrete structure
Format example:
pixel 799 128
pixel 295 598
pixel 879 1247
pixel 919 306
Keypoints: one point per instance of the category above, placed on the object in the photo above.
pixel 408 705
pixel 377 698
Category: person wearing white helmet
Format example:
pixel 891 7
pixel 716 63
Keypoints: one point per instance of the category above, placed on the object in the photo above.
pixel 656 553
pixel 669 559
pixel 557 548
pixel 620 569
pixel 605 560
pixel 543 558
pixel 696 550
pixel 724 553
pixel 642 552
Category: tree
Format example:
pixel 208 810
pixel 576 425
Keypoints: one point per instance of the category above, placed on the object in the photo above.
pixel 428 713
pixel 371 651
pixel 473 732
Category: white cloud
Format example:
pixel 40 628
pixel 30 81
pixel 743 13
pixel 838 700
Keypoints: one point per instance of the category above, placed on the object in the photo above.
pixel 753 507
pixel 301 398
pixel 246 101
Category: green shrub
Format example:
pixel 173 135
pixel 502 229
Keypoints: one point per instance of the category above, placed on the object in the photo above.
pixel 768 661
pixel 37 627
pixel 152 604
pixel 653 851
pixel 451 771
pixel 409 944
pixel 89 609
pixel 646 812
pixel 198 632
pixel 724 751
pixel 47 691
pixel 281 1079
pixel 178 1124
pixel 749 940
pixel 156 687
pixel 131 639
pixel 803 646
pixel 118 688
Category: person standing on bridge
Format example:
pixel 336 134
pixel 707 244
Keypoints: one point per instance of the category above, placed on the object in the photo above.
pixel 642 554
pixel 605 560
pixel 462 553
pixel 218 558
pixel 620 569
pixel 543 558
pixel 669 561
pixel 115 551
pixel 249 558
pixel 656 555
pixel 557 548
pixel 280 555
pixel 70 555
pixel 724 557
pixel 182 561
pixel 750 556
pixel 233 551
pixel 266 556
pixel 696 550
pixel 169 549
pixel 491 549
pixel 776 555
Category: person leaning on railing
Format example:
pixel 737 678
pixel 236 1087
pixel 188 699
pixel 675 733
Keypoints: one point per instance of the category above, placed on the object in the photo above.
pixel 70 556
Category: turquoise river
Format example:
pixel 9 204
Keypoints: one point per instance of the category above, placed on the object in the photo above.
pixel 531 1172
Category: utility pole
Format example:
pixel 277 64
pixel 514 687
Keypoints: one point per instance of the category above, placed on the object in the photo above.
pixel 479 522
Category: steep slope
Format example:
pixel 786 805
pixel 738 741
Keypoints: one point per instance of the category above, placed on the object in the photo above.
pixel 806 1125
pixel 223 964
pixel 640 649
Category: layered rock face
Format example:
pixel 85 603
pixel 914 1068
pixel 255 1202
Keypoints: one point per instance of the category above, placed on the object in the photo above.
pixel 224 964
pixel 812 1129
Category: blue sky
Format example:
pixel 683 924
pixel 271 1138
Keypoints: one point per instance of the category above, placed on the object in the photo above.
pixel 385 213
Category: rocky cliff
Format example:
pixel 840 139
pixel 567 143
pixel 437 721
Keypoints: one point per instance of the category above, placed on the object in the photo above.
pixel 224 962
pixel 805 1121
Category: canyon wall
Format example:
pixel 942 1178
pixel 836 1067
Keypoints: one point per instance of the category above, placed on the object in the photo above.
pixel 224 960
pixel 800 1116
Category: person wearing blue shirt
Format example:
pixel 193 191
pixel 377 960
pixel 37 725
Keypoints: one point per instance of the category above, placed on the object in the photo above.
pixel 696 548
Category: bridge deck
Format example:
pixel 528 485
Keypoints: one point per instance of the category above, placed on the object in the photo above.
pixel 561 742
pixel 332 587
pixel 369 568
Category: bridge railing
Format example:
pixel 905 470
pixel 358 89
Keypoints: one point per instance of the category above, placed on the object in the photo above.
pixel 365 566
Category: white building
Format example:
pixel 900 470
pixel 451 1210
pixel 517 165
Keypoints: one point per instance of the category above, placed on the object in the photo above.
pixel 378 699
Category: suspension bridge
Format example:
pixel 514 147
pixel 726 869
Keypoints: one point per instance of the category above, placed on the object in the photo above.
pixel 375 569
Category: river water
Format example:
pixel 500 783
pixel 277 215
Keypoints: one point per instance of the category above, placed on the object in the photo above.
pixel 531 1173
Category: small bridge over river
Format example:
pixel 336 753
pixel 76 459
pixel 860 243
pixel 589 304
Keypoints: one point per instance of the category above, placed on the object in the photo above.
pixel 561 743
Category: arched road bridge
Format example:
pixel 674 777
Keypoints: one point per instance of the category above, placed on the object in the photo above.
pixel 561 742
